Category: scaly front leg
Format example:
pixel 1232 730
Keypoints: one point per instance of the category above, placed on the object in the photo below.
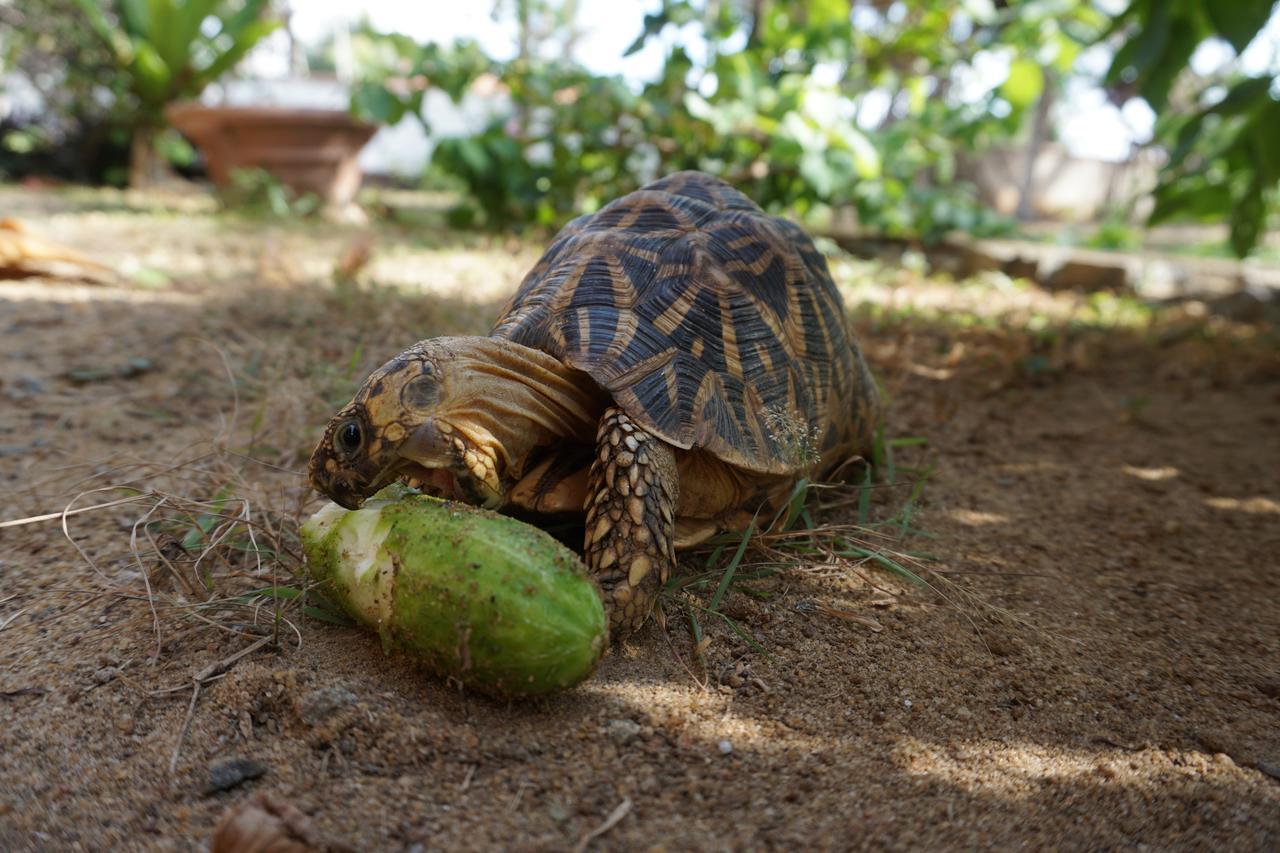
pixel 631 504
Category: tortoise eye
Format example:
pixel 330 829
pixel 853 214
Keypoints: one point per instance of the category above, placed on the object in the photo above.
pixel 421 392
pixel 349 438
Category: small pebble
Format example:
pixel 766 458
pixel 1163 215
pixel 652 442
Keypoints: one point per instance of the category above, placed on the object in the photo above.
pixel 105 674
pixel 232 772
pixel 622 731
pixel 725 747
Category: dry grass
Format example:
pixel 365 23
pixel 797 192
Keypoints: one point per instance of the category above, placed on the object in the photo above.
pixel 217 561
pixel 210 559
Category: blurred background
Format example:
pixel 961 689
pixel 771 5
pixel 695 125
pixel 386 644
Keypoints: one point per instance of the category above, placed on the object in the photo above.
pixel 1070 121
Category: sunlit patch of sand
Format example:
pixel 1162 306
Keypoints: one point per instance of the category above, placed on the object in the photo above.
pixel 986 299
pixel 1020 769
pixel 1256 505
pixel 46 291
pixel 1152 475
pixel 977 518
pixel 1038 467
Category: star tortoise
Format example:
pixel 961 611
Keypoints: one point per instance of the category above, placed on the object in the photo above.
pixel 672 365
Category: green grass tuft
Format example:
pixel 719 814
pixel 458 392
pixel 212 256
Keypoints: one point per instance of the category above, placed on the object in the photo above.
pixel 801 537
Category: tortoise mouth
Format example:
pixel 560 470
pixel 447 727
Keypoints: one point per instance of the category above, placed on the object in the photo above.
pixel 455 482
pixel 437 482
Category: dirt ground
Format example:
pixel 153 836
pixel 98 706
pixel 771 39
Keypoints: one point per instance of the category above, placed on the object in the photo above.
pixel 1095 665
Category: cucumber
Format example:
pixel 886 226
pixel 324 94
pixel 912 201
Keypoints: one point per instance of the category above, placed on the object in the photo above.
pixel 490 601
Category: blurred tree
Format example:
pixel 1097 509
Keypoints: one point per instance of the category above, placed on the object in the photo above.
pixel 829 104
pixel 544 29
pixel 811 106
pixel 832 105
pixel 1224 139
pixel 169 50
pixel 73 132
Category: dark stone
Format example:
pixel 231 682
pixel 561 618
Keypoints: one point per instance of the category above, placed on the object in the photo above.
pixel 1086 277
pixel 229 773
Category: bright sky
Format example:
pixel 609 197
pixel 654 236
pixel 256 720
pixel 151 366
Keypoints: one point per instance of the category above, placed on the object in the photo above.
pixel 1087 123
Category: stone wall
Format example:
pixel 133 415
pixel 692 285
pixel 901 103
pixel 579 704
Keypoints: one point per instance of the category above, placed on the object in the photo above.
pixel 1066 188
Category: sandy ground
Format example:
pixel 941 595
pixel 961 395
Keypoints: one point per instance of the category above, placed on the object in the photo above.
pixel 1096 664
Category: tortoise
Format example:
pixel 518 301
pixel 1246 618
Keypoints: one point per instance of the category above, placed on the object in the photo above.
pixel 670 367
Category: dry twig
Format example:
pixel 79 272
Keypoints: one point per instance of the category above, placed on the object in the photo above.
pixel 197 682
pixel 615 817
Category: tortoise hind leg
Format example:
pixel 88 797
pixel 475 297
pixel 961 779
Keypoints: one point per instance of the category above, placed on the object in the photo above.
pixel 630 532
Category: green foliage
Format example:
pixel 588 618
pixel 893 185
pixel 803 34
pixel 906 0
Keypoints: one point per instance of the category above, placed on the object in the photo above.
pixel 255 192
pixel 781 116
pixel 1115 232
pixel 815 107
pixel 774 108
pixel 1224 161
pixel 168 50
pixel 77 134
pixel 523 167
pixel 396 73
pixel 1163 35
pixel 566 152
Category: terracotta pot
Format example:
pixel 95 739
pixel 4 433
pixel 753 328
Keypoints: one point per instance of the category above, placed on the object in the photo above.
pixel 306 150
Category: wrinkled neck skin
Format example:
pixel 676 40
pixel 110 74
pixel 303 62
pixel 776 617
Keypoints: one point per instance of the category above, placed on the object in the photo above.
pixel 516 398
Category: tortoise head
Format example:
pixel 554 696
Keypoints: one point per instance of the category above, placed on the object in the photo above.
pixel 451 416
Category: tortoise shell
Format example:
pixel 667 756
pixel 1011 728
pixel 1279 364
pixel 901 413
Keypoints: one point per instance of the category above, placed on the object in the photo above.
pixel 712 323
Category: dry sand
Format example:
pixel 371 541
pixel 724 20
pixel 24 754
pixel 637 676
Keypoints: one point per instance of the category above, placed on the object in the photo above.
pixel 1102 670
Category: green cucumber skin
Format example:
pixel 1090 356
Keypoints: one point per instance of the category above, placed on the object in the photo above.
pixel 493 602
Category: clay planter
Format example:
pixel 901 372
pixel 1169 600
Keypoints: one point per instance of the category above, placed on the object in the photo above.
pixel 306 150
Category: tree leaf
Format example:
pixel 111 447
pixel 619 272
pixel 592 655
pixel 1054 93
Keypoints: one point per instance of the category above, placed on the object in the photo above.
pixel 1244 96
pixel 1238 21
pixel 1144 47
pixel 151 76
pixel 251 11
pixel 1201 202
pixel 1262 132
pixel 1157 78
pixel 189 17
pixel 1247 218
pixel 113 37
pixel 1024 84
pixel 245 41
pixel 135 17
pixel 371 101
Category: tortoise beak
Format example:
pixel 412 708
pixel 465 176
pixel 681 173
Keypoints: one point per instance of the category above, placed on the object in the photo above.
pixel 336 488
pixel 344 485
pixel 345 499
